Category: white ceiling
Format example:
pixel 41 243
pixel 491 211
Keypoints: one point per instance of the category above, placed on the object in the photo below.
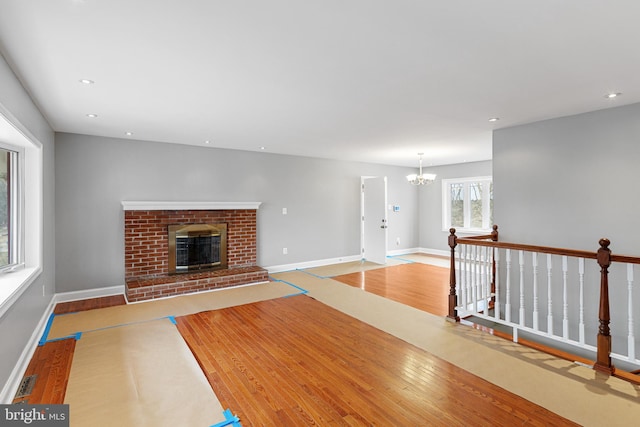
pixel 366 80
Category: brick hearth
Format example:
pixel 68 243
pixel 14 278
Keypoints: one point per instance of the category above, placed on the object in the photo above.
pixel 147 245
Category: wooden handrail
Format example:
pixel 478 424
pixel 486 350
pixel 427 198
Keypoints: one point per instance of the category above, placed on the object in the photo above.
pixel 530 248
pixel 485 237
pixel 625 259
pixel 481 241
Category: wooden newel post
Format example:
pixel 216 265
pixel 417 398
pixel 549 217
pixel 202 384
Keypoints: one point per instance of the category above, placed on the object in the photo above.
pixel 453 301
pixel 494 238
pixel 494 233
pixel 603 358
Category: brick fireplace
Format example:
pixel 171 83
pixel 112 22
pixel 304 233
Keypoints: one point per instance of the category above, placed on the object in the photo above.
pixel 146 235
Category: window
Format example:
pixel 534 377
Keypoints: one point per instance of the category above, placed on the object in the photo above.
pixel 467 204
pixel 8 212
pixel 21 210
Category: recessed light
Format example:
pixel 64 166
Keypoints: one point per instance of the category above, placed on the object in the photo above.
pixel 128 133
pixel 207 142
pixel 263 148
pixel 494 119
pixel 92 116
pixel 613 95
pixel 86 81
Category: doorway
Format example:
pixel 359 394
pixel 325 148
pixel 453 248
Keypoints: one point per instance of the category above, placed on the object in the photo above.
pixel 374 219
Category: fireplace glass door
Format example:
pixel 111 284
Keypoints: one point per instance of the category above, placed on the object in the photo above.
pixel 194 247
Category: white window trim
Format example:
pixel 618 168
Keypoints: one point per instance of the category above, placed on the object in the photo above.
pixel 13 283
pixel 446 205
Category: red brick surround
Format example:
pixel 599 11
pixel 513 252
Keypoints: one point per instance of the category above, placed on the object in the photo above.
pixel 147 244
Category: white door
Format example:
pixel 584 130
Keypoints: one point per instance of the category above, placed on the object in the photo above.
pixel 374 219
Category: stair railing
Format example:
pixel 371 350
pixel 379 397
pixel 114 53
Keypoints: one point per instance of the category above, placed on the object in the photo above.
pixel 504 283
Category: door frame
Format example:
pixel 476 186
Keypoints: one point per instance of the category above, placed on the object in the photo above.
pixel 363 217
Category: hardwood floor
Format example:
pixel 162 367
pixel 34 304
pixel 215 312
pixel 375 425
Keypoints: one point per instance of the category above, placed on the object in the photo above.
pixel 422 286
pixel 51 363
pixel 89 304
pixel 295 361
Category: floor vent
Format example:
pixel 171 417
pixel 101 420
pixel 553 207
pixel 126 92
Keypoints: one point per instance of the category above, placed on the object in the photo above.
pixel 26 386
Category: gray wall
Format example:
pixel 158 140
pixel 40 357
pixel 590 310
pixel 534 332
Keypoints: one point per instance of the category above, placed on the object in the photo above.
pixel 94 174
pixel 432 236
pixel 568 182
pixel 19 322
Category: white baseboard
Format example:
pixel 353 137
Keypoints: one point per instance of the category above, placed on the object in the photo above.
pixel 437 252
pixel 329 261
pixel 400 252
pixel 88 293
pixel 311 264
pixel 11 386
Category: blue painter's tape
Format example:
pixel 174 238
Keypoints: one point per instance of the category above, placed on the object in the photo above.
pixel 408 261
pixel 75 336
pixel 172 319
pixel 302 291
pixel 314 275
pixel 66 314
pixel 46 330
pixel 230 420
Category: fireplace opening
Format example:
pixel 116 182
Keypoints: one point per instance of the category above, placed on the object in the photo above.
pixel 196 247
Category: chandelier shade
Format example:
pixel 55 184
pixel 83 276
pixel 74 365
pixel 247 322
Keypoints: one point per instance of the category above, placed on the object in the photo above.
pixel 421 178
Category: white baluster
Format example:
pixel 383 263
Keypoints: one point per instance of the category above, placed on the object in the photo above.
pixel 480 271
pixel 487 280
pixel 474 276
pixel 460 276
pixel 535 290
pixel 581 323
pixel 549 298
pixel 479 274
pixel 469 278
pixel 565 301
pixel 631 339
pixel 521 259
pixel 507 299
pixel 496 259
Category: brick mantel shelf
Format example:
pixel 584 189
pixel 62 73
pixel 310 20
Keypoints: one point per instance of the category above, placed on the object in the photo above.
pixel 146 247
pixel 178 206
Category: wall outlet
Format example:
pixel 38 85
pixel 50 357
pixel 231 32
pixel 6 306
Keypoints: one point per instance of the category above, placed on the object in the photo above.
pixel 285 251
pixel 397 241
pixel 284 211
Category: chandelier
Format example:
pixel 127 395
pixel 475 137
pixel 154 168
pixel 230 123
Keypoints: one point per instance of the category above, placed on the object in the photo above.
pixel 422 178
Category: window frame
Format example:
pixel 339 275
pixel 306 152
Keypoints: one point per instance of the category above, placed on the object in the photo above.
pixel 486 204
pixel 29 232
pixel 16 208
